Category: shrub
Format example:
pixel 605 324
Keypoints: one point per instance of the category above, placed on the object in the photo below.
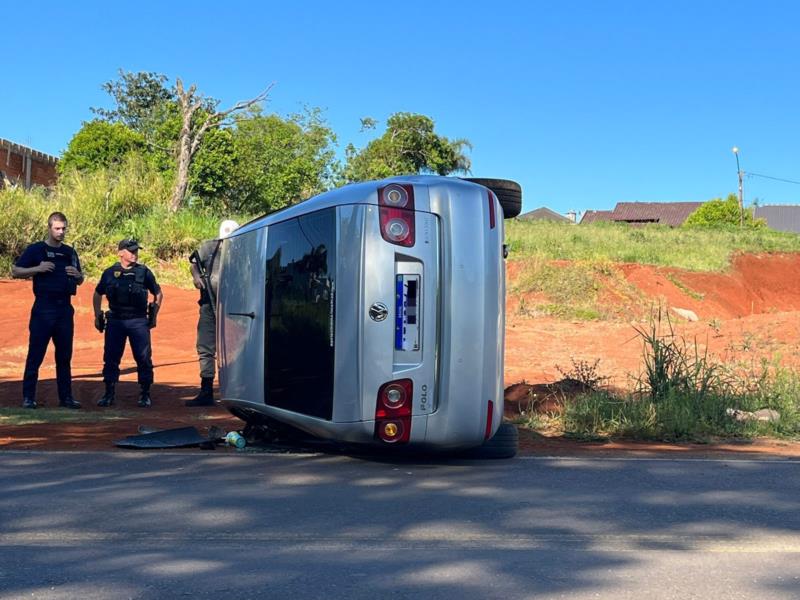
pixel 100 144
pixel 722 213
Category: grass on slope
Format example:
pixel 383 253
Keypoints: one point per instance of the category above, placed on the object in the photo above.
pixel 573 288
pixel 694 249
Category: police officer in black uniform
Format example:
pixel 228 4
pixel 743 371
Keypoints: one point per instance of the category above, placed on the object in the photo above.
pixel 56 273
pixel 126 285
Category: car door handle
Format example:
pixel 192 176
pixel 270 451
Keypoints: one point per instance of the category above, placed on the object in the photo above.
pixel 252 315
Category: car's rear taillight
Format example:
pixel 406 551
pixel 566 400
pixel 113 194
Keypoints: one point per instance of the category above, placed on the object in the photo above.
pixel 397 213
pixel 491 210
pixel 393 411
pixel 489 416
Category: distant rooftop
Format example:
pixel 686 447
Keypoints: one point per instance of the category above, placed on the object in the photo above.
pixel 543 213
pixel 673 214
pixel 781 217
pixel 595 216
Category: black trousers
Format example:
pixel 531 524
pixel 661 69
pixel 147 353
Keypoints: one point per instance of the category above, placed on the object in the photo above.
pixel 117 332
pixel 50 320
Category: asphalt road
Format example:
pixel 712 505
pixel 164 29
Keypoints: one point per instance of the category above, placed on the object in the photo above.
pixel 226 525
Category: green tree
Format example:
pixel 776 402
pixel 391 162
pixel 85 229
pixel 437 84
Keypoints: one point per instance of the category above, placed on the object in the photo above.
pixel 144 104
pixel 213 172
pixel 408 146
pixel 280 161
pixel 722 213
pixel 99 144
pixel 175 123
pixel 139 99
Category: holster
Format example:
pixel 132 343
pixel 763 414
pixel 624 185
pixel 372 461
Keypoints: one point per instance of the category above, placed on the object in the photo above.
pixel 100 322
pixel 152 314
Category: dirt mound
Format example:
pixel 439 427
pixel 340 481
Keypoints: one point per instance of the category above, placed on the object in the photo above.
pixel 542 398
pixel 748 313
pixel 755 284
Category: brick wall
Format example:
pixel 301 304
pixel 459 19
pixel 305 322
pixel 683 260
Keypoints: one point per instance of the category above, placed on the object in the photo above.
pixel 16 161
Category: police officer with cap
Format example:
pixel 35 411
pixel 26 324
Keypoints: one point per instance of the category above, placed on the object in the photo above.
pixel 56 273
pixel 126 284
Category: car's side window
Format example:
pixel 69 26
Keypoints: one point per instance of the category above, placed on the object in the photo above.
pixel 300 303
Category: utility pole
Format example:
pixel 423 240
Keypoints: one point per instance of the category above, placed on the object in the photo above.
pixel 741 187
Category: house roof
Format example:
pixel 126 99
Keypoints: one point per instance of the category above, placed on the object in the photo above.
pixel 664 213
pixel 784 217
pixel 543 213
pixel 673 214
pixel 25 151
pixel 595 216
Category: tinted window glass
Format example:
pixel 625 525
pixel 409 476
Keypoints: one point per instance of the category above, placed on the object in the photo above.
pixel 299 336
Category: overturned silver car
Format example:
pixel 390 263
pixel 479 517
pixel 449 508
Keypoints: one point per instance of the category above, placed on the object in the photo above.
pixel 372 314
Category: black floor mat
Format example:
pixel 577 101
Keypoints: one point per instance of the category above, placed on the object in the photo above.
pixel 182 437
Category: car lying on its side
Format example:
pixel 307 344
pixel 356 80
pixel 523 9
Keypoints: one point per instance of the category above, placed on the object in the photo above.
pixel 372 314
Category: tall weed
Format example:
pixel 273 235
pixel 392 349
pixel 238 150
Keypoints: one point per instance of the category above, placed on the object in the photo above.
pixel 22 216
pixel 672 366
pixel 104 206
pixel 685 394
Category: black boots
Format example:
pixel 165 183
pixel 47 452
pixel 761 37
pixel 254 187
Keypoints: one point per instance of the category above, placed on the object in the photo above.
pixel 108 397
pixel 69 402
pixel 144 397
pixel 206 395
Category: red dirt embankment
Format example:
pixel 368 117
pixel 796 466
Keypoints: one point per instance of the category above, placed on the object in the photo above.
pixel 755 284
pixel 750 312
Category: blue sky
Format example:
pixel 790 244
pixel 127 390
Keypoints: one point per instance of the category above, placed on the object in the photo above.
pixel 584 103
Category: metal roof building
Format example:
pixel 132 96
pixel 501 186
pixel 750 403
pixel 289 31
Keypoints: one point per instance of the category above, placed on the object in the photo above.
pixel 781 217
pixel 673 214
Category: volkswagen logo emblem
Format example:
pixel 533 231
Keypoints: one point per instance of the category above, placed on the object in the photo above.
pixel 378 311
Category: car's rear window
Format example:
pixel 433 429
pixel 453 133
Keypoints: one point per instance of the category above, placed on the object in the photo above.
pixel 300 302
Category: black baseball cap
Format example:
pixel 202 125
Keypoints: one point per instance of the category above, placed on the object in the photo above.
pixel 128 244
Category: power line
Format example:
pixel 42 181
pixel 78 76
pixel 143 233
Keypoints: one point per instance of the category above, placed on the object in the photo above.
pixel 749 174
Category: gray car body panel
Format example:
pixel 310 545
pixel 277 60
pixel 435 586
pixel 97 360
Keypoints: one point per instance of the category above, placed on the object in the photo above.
pixel 458 368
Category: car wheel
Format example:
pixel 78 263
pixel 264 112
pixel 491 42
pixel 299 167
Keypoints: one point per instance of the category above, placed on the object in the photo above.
pixel 508 192
pixel 503 444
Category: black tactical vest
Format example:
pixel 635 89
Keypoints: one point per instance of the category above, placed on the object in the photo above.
pixel 127 294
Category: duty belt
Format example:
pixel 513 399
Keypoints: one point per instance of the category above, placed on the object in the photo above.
pixel 124 316
pixel 55 297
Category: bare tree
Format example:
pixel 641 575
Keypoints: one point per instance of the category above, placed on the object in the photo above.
pixel 192 135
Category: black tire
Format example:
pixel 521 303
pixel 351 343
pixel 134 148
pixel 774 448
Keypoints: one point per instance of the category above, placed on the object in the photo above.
pixel 508 192
pixel 503 444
